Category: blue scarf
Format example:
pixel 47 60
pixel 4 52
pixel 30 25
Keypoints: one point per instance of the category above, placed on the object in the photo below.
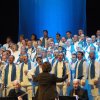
pixel 43 42
pixel 92 69
pixel 80 69
pixel 54 59
pixel 36 74
pixel 64 69
pixel 37 71
pixel 21 71
pixel 13 73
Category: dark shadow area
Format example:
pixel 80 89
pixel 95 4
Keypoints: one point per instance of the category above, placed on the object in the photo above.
pixel 93 16
pixel 9 18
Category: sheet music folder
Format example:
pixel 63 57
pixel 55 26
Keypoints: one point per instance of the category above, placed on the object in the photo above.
pixel 67 98
pixel 8 98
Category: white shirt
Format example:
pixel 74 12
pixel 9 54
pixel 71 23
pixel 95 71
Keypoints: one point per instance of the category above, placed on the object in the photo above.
pixel 16 55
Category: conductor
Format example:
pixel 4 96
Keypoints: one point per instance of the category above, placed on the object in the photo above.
pixel 47 83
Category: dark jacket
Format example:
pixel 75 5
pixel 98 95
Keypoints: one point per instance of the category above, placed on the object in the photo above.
pixel 15 94
pixel 82 93
pixel 47 86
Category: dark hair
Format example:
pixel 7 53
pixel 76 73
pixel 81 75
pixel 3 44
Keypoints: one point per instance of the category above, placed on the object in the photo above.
pixel 34 36
pixel 38 58
pixel 58 34
pixel 12 56
pixel 46 67
pixel 45 31
pixel 81 53
pixel 74 54
pixel 69 32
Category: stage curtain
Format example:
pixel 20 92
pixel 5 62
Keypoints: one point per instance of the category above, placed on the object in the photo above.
pixel 53 15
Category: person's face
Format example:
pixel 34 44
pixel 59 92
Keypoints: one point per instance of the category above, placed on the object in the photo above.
pixel 98 33
pixel 8 40
pixel 4 58
pixel 56 45
pixel 63 39
pixel 44 54
pixel 21 59
pixel 1 51
pixel 39 42
pixel 75 85
pixel 23 43
pixel 39 60
pixel 57 37
pixel 4 53
pixel 56 54
pixel 11 59
pixel 79 56
pixel 32 37
pixel 91 55
pixel 60 57
pixel 51 44
pixel 14 48
pixel 29 44
pixel 22 52
pixel 25 58
pixel 16 86
pixel 45 34
pixel 80 32
pixel 74 58
pixel 21 38
pixel 93 38
pixel 89 41
pixel 75 38
pixel 59 48
pixel 68 34
pixel 8 53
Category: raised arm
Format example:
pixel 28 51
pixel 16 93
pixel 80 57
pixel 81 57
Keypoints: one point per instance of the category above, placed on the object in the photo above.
pixel 60 79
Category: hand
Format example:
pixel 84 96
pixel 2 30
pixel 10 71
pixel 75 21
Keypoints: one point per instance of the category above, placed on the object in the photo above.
pixel 95 82
pixel 25 72
pixel 20 98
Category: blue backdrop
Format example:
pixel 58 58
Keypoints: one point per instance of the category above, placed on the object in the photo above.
pixel 53 15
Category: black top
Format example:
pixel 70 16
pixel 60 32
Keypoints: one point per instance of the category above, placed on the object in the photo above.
pixel 82 93
pixel 14 93
pixel 47 86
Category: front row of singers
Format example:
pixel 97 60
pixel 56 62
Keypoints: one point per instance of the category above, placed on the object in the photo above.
pixel 46 83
